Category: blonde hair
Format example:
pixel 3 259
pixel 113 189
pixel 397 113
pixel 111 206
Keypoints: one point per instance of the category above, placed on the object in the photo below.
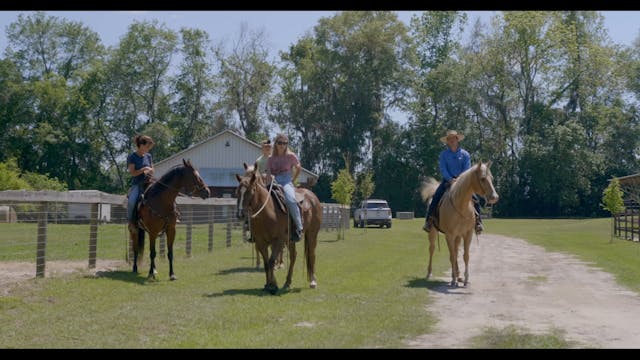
pixel 280 137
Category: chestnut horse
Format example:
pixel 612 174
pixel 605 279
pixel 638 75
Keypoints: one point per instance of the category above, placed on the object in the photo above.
pixel 248 170
pixel 456 217
pixel 271 227
pixel 157 212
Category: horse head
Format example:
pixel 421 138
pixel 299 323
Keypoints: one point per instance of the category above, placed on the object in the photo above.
pixel 485 181
pixel 245 191
pixel 195 184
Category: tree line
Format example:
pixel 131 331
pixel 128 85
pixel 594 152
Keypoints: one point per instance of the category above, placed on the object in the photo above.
pixel 546 95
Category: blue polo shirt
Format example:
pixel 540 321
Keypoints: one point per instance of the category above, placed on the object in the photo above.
pixel 139 162
pixel 452 164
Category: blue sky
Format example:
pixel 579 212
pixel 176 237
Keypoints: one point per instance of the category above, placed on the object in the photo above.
pixel 282 28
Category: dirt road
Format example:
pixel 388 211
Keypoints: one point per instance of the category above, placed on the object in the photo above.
pixel 515 283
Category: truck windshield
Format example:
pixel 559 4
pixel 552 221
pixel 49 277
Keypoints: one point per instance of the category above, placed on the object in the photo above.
pixel 376 205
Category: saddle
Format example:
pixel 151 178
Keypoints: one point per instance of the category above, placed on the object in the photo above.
pixel 302 200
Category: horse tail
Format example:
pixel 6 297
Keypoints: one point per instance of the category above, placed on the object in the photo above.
pixel 140 246
pixel 427 189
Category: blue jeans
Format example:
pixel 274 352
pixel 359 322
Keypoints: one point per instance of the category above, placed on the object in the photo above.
pixel 134 193
pixel 290 197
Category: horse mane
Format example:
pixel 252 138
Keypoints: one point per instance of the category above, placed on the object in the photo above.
pixel 462 183
pixel 161 185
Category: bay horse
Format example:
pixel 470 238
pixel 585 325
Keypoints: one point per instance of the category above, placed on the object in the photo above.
pixel 271 227
pixel 456 217
pixel 157 212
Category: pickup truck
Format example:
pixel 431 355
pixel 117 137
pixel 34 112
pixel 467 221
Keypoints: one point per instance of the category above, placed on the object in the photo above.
pixel 372 212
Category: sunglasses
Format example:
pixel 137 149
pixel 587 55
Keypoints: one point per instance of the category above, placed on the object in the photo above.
pixel 282 143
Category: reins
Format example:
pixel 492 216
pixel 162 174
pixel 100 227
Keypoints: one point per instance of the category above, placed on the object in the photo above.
pixel 265 202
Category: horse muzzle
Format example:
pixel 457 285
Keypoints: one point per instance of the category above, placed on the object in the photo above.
pixel 204 193
pixel 492 199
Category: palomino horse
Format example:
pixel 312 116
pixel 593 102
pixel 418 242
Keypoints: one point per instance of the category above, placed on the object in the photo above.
pixel 271 227
pixel 248 171
pixel 157 212
pixel 456 214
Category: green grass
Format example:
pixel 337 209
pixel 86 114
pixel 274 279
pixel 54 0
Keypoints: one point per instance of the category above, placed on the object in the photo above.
pixel 371 293
pixel 512 337
pixel 588 239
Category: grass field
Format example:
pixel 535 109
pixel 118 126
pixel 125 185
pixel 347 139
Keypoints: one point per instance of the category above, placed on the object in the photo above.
pixel 371 293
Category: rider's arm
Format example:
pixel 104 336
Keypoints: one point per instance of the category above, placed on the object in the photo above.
pixel 443 168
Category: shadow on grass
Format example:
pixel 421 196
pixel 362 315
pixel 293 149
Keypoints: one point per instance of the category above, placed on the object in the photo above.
pixel 126 276
pixel 252 292
pixel 440 286
pixel 243 269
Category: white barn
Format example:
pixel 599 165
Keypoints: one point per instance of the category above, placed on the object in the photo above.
pixel 219 158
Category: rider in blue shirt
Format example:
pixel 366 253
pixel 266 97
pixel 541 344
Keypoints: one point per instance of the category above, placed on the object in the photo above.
pixel 139 164
pixel 454 160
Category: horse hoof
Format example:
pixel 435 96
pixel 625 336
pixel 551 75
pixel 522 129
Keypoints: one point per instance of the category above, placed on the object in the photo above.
pixel 428 276
pixel 454 284
pixel 313 284
pixel 173 277
pixel 460 279
pixel 273 290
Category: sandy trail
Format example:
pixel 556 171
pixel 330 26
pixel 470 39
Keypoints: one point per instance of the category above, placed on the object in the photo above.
pixel 515 283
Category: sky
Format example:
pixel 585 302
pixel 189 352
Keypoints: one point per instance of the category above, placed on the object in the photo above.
pixel 282 28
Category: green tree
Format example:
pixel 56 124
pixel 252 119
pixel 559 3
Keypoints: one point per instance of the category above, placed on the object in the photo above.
pixel 193 110
pixel 342 189
pixel 366 187
pixel 246 77
pixel 612 201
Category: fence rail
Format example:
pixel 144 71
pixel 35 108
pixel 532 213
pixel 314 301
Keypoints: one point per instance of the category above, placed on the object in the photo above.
pixel 87 225
pixel 627 224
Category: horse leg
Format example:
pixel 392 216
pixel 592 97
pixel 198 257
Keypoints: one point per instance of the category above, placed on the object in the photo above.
pixel 310 243
pixel 458 241
pixel 453 259
pixel 467 245
pixel 171 236
pixel 432 246
pixel 292 261
pixel 133 237
pixel 272 283
pixel 152 256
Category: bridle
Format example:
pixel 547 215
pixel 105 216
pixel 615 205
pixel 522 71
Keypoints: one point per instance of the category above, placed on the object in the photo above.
pixel 252 216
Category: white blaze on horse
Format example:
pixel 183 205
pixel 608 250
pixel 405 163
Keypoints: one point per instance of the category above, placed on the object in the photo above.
pixel 456 215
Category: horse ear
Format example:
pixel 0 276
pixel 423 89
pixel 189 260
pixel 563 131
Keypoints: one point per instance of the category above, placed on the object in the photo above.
pixel 255 165
pixel 245 166
pixel 489 164
pixel 184 162
pixel 238 177
pixel 254 176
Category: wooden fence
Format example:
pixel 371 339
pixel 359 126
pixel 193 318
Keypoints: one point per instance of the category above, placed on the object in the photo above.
pixel 40 210
pixel 627 224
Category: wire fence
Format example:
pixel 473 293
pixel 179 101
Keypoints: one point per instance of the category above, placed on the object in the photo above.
pixel 41 226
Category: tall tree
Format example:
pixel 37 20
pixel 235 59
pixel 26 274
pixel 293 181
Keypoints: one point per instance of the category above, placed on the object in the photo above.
pixel 247 78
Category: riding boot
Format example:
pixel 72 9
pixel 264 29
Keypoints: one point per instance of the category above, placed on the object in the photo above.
pixel 296 235
pixel 428 224
pixel 132 226
pixel 479 227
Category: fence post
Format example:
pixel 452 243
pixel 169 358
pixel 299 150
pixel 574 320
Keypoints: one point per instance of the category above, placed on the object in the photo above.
pixel 42 240
pixel 189 216
pixel 229 219
pixel 212 214
pixel 93 235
